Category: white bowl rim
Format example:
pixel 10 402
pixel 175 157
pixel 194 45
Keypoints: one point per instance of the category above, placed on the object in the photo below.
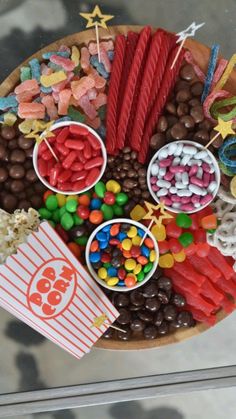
pixel 194 144
pixel 104 154
pixel 93 273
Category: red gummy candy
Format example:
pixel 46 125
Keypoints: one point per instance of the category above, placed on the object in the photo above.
pixel 172 230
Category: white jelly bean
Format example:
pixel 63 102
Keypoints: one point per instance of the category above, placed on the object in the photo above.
pixel 195 189
pixel 154 169
pixel 176 161
pixel 162 192
pixel 185 159
pixel 193 161
pixel 178 150
pixel 176 205
pixel 211 188
pixel 197 204
pixel 184 192
pixel 188 149
pixel 185 178
pixel 201 155
pixel 212 169
pixel 163 183
pixel 163 154
pixel 208 159
pixel 173 190
pixel 199 173
pixel 180 185
pixel 172 148
pixel 178 177
pixel 162 171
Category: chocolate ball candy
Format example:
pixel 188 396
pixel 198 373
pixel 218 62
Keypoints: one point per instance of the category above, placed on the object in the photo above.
pixel 178 300
pixel 162 296
pixel 29 153
pixel 3 152
pixel 157 141
pixel 137 325
pixel 152 304
pixel 172 120
pixel 187 72
pixel 3 174
pixel 150 332
pixel 24 204
pixel 134 155
pixel 201 136
pixel 174 324
pixel 12 144
pixel 158 318
pixel 124 336
pixel 31 176
pixel 181 84
pixel 8 133
pixel 121 300
pixel 185 318
pixel 169 312
pixel 150 290
pixel 218 141
pixel 183 95
pixel 16 171
pixel 36 201
pixel 25 143
pixel 136 298
pixel 178 131
pixel 17 186
pixel 9 202
pixel 134 308
pixel 164 283
pixel 39 187
pixel 197 114
pixel 77 232
pixel 206 125
pixel 109 333
pixel 182 109
pixel 130 183
pixel 171 108
pixel 194 102
pixel 162 124
pixel 124 317
pixel 7 184
pixel 21 195
pixel 197 88
pixel 187 121
pixel 163 329
pixel 17 156
pixel 145 315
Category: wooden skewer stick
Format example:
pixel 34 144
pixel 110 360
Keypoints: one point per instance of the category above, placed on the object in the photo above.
pixel 98 44
pixel 177 55
pixel 146 233
pixel 212 140
pixel 117 328
pixel 52 151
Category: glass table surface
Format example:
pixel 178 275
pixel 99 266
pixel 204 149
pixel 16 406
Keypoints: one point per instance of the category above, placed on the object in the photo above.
pixel 27 360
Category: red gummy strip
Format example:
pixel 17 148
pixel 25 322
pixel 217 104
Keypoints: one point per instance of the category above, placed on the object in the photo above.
pixel 216 258
pixel 228 306
pixel 227 285
pixel 211 98
pixel 210 292
pixel 187 271
pixel 205 267
pixel 113 93
pixel 167 84
pixel 196 301
pixel 219 72
pixel 201 317
pixel 146 87
pixel 137 64
pixel 181 282
pixel 131 43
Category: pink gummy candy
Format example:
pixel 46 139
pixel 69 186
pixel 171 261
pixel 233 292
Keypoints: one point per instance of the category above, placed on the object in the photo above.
pixel 87 107
pixel 55 96
pixel 64 48
pixel 106 45
pixel 93 123
pixel 100 100
pixel 31 110
pixel 100 82
pixel 28 86
pixel 24 97
pixel 92 93
pixel 50 106
pixel 45 70
pixel 84 58
pixel 64 98
pixel 80 88
pixel 65 63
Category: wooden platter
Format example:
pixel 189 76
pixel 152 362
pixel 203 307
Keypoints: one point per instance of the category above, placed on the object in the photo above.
pixel 201 55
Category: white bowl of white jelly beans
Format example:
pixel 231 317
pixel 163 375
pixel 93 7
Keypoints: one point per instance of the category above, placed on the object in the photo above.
pixel 184 175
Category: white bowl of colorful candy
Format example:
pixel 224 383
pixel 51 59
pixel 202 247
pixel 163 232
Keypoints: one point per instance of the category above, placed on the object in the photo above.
pixel 82 158
pixel 184 175
pixel 116 256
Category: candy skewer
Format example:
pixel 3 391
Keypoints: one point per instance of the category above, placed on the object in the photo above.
pixel 224 128
pixel 117 328
pixel 177 55
pixel 97 40
pixel 146 233
pixel 212 140
pixel 50 148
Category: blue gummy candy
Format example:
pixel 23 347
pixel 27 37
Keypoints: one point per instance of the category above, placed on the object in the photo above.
pixel 63 119
pixel 121 236
pixel 55 67
pixel 140 232
pixel 107 228
pixel 121 283
pixel 95 204
pixel 226 151
pixel 95 257
pixel 45 89
pixel 47 55
pixel 35 69
pixel 210 71
pixel 112 271
pixel 103 245
pixel 8 102
pixel 110 55
pixel 145 251
pixel 102 131
pixel 101 237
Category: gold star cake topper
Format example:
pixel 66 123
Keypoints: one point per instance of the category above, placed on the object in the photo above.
pixel 96 18
pixel 38 127
pixel 224 128
pixel 99 321
pixel 152 210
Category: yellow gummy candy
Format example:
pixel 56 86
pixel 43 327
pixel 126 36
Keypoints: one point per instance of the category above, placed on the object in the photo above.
pixel 51 79
pixel 137 213
pixel 152 256
pixel 26 126
pixel 179 257
pixel 75 56
pixel 166 261
pixel 9 119
pixel 137 269
pixel 113 186
pixel 233 186
pixel 102 273
pixel 136 240
pixel 159 232
pixel 61 200
pixel 130 264
pixel 132 232
pixel 226 74
pixel 112 281
pixel 72 198
pixel 126 244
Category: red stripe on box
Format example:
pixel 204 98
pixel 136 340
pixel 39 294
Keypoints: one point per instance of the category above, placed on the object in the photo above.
pixel 12 283
pixel 70 331
pixel 44 321
pixel 43 245
pixel 22 266
pixel 8 304
pixel 104 304
pixel 84 324
pixel 73 303
pixel 35 251
pixel 81 331
pixel 18 276
pixel 27 257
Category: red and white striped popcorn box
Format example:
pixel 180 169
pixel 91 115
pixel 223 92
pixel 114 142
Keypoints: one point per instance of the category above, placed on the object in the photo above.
pixel 45 286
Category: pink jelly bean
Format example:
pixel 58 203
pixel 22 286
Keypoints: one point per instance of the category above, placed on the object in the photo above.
pixel 69 159
pixel 50 106
pixel 206 179
pixel 195 199
pixel 196 181
pixel 153 179
pixel 169 176
pixel 155 188
pixel 177 169
pixel 166 200
pixel 105 60
pixel 100 100
pixel 64 98
pixel 65 63
pixel 84 58
pixel 206 167
pixel 187 207
pixel 206 199
pixel 165 162
pixel 185 200
pixel 87 107
pixel 175 198
pixel 212 177
pixel 193 170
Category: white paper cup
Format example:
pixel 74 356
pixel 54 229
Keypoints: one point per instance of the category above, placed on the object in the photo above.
pixel 200 148
pixel 93 272
pixel 104 155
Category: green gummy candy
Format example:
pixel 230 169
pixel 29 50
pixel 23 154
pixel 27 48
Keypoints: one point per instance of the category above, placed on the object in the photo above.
pixel 62 211
pixel 107 212
pixel 77 220
pixel 77 69
pixel 102 112
pixel 51 203
pixel 56 215
pixel 25 73
pixel 186 239
pixel 226 170
pixel 71 205
pixel 82 241
pixel 100 189
pixel 107 265
pixel 140 276
pixel 75 115
pixel 45 213
pixel 121 198
pixel 118 211
pixel 183 220
pixel 67 221
pixel 147 268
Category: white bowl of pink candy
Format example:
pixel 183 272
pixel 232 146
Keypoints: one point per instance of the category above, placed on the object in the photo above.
pixel 73 162
pixel 184 175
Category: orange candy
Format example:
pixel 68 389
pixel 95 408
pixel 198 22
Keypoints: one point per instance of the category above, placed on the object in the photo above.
pixel 115 228
pixel 149 243
pixel 130 281
pixel 84 200
pixel 46 195
pixel 96 217
pixel 209 222
pixel 127 254
pixel 74 248
pixel 94 246
pixel 143 260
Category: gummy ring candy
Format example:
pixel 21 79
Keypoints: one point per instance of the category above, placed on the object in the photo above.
pixel 228 150
pixel 222 103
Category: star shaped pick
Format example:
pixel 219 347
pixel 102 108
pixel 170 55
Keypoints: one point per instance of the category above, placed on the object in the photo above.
pixel 99 321
pixel 224 128
pixel 189 31
pixel 96 18
pixel 152 209
pixel 40 126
